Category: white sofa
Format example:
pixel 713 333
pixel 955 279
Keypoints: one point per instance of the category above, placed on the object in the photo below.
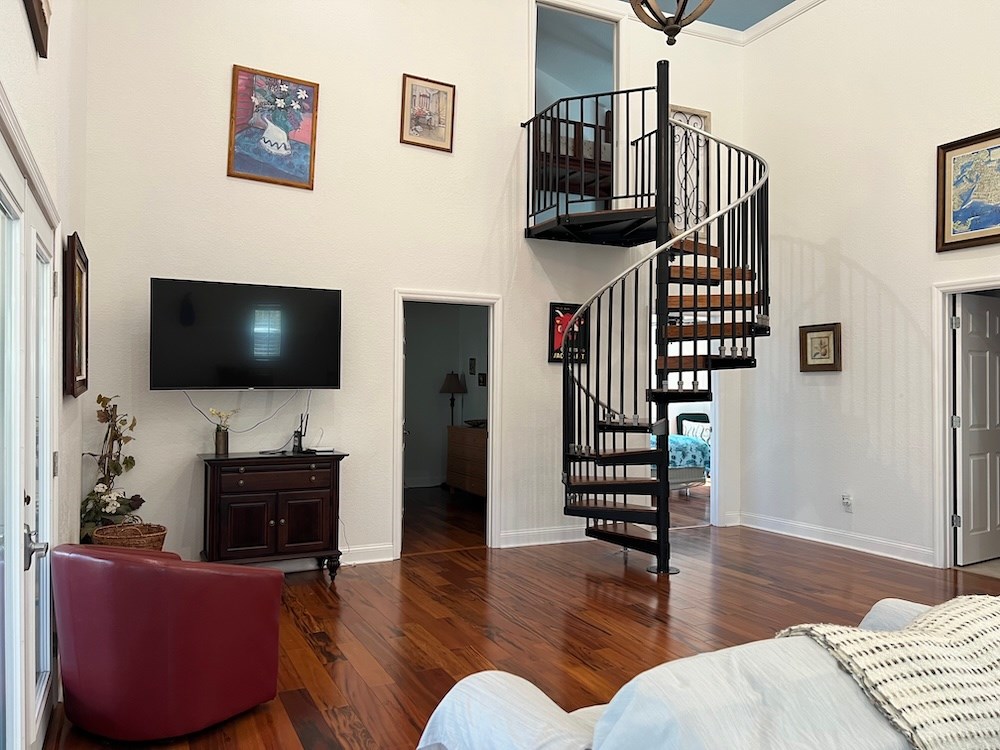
pixel 786 693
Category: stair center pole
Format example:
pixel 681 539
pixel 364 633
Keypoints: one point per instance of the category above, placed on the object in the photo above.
pixel 664 213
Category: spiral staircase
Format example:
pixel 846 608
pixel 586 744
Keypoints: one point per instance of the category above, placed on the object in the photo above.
pixel 617 169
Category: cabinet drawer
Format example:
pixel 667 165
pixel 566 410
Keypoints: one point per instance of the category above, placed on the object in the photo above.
pixel 466 466
pixel 468 452
pixel 257 481
pixel 467 436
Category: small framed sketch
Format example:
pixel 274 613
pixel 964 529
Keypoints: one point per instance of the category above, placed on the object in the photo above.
pixel 428 116
pixel 819 348
pixel 75 317
pixel 968 205
pixel 578 345
pixel 272 128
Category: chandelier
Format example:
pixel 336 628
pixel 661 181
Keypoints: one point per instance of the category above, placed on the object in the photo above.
pixel 650 14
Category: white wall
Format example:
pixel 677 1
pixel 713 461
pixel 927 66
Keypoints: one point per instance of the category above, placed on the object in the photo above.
pixel 49 100
pixel 383 216
pixel 849 115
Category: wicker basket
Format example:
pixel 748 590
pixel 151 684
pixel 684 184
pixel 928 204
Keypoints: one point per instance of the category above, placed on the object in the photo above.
pixel 133 535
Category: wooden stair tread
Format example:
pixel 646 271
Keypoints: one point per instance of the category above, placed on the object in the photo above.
pixel 717 301
pixel 597 508
pixel 674 396
pixel 576 482
pixel 704 362
pixel 708 331
pixel 625 535
pixel 707 275
pixel 642 426
pixel 630 453
pixel 690 247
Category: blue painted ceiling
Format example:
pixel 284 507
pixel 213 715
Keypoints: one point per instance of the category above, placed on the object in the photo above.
pixel 733 14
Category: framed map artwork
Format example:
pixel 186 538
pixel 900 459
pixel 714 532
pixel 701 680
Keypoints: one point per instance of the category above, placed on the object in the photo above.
pixel 968 192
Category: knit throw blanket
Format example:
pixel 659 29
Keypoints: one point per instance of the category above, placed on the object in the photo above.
pixel 937 680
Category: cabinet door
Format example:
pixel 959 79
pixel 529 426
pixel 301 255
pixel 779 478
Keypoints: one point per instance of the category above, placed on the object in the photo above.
pixel 246 525
pixel 304 521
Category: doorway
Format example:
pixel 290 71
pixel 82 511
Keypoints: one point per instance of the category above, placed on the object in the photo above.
pixel 446 396
pixel 975 520
pixel 446 406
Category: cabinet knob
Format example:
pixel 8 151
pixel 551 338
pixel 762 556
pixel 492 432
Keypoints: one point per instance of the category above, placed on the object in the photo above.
pixel 243 469
pixel 312 466
pixel 282 521
pixel 312 478
pixel 241 483
pixel 271 522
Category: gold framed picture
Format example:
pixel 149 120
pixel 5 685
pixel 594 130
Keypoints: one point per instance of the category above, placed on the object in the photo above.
pixel 428 113
pixel 819 348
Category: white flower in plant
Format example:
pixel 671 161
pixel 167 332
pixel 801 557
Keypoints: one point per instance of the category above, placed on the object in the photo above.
pixel 111 506
pixel 296 105
pixel 116 494
pixel 284 87
pixel 100 488
pixel 279 103
pixel 302 94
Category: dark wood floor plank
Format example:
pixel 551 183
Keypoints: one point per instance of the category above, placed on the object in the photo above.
pixel 365 659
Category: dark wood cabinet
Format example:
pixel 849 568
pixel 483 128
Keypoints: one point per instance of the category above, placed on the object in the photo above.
pixel 260 508
pixel 467 460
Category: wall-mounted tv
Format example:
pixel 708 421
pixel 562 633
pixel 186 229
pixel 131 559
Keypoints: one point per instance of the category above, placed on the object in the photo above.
pixel 212 335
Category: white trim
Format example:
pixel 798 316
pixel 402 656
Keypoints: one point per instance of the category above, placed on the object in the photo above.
pixel 732 518
pixel 546 535
pixel 10 130
pixel 494 306
pixel 777 19
pixel 942 464
pixel 367 553
pixel 837 537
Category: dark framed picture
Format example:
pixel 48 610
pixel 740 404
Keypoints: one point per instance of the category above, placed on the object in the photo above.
pixel 819 348
pixel 76 312
pixel 968 205
pixel 578 344
pixel 472 365
pixel 482 379
pixel 272 128
pixel 38 20
pixel 428 113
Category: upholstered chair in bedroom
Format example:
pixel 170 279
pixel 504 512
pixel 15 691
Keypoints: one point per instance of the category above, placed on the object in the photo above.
pixel 152 647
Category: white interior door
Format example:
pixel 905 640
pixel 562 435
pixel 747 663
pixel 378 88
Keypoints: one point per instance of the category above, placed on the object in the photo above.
pixel 978 438
pixel 40 381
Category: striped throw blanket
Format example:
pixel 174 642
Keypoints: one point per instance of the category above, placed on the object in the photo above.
pixel 937 680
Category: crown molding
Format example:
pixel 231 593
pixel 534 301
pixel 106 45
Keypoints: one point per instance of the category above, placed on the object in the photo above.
pixel 13 134
pixel 778 19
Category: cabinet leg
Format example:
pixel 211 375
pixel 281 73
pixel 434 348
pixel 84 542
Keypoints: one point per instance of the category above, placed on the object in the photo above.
pixel 333 564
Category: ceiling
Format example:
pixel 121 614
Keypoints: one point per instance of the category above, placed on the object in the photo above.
pixel 733 14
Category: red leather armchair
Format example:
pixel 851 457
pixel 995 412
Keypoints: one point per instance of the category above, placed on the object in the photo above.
pixel 152 647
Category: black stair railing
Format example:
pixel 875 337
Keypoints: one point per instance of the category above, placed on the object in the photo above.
pixel 585 153
pixel 655 332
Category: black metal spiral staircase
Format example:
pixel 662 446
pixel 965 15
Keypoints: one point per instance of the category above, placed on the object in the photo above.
pixel 615 169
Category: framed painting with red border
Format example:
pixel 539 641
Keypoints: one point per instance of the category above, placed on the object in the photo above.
pixel 578 346
pixel 968 198
pixel 76 313
pixel 272 128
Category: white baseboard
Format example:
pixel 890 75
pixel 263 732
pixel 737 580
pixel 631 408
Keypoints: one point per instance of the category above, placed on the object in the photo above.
pixel 839 538
pixel 550 535
pixel 367 553
pixel 732 518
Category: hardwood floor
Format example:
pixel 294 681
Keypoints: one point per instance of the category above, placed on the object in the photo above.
pixel 364 660
pixel 435 520
pixel 690 509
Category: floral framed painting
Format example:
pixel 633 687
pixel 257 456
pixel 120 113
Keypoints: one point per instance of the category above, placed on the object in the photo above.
pixel 428 113
pixel 968 192
pixel 819 348
pixel 272 128
pixel 578 345
pixel 76 311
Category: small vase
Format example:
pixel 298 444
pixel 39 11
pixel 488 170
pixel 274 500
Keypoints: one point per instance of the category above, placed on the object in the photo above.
pixel 275 140
pixel 222 442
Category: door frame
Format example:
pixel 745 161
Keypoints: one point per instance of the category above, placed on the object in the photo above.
pixel 943 379
pixel 494 308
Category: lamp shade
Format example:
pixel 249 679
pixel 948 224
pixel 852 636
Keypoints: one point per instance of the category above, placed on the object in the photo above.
pixel 453 384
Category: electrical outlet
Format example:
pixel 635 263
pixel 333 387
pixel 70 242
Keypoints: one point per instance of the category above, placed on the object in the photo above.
pixel 847 502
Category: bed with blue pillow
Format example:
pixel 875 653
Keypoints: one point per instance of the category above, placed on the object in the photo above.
pixel 690 455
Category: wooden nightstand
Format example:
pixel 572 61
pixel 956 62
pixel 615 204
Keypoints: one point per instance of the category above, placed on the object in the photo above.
pixel 467 460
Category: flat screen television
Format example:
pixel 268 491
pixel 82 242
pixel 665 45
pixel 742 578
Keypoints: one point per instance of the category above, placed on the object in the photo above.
pixel 212 335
